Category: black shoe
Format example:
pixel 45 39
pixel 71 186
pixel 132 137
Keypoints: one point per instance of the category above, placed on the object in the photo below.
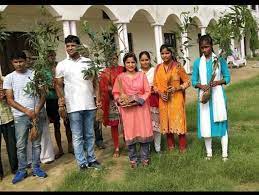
pixel 1 178
pixel 83 167
pixel 95 165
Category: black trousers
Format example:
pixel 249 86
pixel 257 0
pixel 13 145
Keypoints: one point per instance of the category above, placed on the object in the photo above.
pixel 8 132
pixel 98 133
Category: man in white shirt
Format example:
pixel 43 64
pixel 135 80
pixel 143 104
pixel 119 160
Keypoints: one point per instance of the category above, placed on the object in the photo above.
pixel 25 108
pixel 77 96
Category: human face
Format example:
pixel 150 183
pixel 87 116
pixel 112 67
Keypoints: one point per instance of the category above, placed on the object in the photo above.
pixel 130 65
pixel 52 57
pixel 71 49
pixel 206 48
pixel 19 64
pixel 114 60
pixel 144 62
pixel 166 55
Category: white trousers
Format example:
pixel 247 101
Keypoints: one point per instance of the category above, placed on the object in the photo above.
pixel 224 145
pixel 47 152
pixel 157 141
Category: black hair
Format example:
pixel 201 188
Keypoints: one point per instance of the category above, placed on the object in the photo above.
pixel 144 53
pixel 72 39
pixel 168 48
pixel 130 55
pixel 17 54
pixel 206 38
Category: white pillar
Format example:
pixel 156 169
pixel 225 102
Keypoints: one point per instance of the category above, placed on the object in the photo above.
pixel 203 30
pixel 186 52
pixel 232 44
pixel 242 47
pixel 73 28
pixel 66 28
pixel 257 9
pixel 123 39
pixel 158 41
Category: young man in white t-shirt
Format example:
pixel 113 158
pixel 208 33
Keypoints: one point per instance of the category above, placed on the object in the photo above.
pixel 25 108
pixel 77 96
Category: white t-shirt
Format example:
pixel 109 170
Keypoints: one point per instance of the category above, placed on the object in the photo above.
pixel 17 82
pixel 79 93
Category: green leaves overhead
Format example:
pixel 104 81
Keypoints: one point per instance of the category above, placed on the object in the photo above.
pixel 101 48
pixel 42 40
pixel 3 35
pixel 239 20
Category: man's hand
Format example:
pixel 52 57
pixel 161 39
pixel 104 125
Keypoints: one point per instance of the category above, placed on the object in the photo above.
pixel 61 101
pixel 63 112
pixel 98 103
pixel 30 114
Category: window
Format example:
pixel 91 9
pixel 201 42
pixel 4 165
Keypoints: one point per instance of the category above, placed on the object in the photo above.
pixel 16 41
pixel 253 7
pixel 105 16
pixel 130 42
pixel 170 39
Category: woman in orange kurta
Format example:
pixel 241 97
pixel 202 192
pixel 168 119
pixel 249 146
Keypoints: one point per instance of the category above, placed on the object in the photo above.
pixel 170 81
pixel 132 86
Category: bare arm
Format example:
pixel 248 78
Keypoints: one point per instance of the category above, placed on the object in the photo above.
pixel 40 105
pixel 59 87
pixel 16 105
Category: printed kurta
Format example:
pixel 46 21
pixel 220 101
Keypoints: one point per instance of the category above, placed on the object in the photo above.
pixel 217 128
pixel 136 119
pixel 172 113
pixel 153 99
pixel 107 79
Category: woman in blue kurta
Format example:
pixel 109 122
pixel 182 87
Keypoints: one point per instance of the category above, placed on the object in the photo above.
pixel 212 116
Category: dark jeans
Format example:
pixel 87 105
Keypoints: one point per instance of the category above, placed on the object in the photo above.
pixel 8 132
pixel 98 133
pixel 144 152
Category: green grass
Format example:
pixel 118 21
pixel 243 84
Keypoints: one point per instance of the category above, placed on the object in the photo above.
pixel 189 171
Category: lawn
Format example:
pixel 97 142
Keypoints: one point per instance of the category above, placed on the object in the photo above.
pixel 173 171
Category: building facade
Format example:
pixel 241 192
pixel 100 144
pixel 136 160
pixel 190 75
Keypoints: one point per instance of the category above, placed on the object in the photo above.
pixel 141 27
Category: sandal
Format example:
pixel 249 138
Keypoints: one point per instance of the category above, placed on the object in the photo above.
pixel 145 163
pixel 133 164
pixel 116 153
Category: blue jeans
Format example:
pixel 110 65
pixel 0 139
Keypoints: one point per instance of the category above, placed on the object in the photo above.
pixel 22 125
pixel 82 127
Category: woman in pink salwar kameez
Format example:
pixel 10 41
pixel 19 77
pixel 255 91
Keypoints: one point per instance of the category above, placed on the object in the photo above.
pixel 132 86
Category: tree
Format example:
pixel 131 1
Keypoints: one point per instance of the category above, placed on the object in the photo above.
pixel 233 24
pixel 42 40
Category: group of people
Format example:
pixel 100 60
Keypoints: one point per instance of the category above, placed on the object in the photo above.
pixel 146 101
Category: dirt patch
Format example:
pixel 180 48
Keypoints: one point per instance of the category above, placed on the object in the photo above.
pixel 58 169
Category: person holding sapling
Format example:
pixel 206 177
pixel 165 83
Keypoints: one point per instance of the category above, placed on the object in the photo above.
pixel 131 91
pixel 210 72
pixel 170 82
pixel 28 114
pixel 110 111
pixel 76 97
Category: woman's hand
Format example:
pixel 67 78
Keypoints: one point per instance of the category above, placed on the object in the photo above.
pixel 204 87
pixel 163 96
